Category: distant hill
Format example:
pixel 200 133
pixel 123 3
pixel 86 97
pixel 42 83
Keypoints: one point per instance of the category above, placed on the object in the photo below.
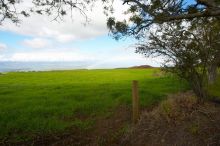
pixel 137 67
pixel 141 66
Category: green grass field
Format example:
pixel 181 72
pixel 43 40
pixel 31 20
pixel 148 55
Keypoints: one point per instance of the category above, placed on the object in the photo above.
pixel 214 89
pixel 40 103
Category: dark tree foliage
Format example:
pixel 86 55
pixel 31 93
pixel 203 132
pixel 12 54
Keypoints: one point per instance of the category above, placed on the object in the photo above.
pixel 10 10
pixel 191 52
pixel 144 13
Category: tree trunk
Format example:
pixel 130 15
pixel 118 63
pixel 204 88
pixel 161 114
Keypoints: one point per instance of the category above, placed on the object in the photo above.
pixel 212 74
pixel 198 87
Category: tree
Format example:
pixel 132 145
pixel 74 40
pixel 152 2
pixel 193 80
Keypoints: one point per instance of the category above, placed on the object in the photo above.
pixel 10 10
pixel 190 51
pixel 144 13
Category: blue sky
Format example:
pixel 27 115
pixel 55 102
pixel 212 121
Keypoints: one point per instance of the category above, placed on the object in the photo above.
pixel 38 38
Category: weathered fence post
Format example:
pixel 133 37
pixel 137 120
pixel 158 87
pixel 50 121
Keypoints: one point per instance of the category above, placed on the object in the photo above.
pixel 135 101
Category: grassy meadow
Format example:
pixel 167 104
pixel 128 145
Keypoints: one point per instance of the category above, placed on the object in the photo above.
pixel 214 89
pixel 41 103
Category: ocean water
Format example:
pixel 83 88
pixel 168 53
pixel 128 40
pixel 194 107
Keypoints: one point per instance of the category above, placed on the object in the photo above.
pixel 41 66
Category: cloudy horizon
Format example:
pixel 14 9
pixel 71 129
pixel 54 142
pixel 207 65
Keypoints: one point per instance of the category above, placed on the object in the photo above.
pixel 39 39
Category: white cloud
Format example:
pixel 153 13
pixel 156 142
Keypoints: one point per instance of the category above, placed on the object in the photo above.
pixel 3 46
pixel 36 43
pixel 47 34
pixel 124 58
pixel 2 57
pixel 65 38
pixel 67 30
pixel 49 56
pixel 120 58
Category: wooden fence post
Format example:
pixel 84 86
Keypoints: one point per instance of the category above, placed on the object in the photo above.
pixel 135 101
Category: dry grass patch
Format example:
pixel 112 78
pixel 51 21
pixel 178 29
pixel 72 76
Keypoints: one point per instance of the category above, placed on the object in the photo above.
pixel 180 120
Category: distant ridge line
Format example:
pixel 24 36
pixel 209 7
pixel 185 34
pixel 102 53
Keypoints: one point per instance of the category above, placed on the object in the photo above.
pixel 138 67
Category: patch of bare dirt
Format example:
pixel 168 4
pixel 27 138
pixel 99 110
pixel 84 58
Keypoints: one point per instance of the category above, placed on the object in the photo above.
pixel 179 121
